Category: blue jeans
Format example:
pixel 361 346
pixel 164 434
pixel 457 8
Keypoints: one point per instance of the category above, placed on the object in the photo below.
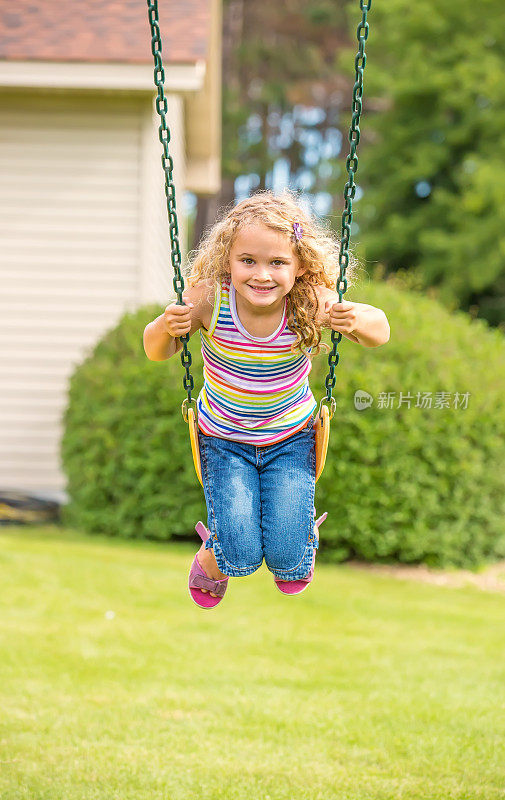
pixel 260 504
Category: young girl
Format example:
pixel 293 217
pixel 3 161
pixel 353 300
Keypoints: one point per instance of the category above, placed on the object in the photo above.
pixel 259 293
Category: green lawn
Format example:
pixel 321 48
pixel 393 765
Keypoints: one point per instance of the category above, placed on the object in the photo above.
pixel 363 687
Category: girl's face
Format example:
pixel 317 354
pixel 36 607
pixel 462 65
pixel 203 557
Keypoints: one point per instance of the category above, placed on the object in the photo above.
pixel 263 266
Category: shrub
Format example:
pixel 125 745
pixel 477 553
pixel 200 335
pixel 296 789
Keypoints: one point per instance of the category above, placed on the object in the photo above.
pixel 400 484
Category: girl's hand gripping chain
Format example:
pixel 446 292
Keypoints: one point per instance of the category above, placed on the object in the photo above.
pixel 177 319
pixel 344 316
pixel 359 322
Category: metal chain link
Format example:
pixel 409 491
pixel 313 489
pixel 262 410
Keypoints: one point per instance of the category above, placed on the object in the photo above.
pixel 168 165
pixel 349 189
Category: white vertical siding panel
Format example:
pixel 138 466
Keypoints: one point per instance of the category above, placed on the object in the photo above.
pixel 155 259
pixel 70 179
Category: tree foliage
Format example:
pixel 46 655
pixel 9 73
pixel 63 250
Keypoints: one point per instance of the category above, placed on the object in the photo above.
pixel 430 199
pixel 434 172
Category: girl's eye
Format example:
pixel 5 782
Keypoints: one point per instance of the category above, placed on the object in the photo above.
pixel 276 261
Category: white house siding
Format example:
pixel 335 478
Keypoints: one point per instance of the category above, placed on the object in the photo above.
pixel 155 258
pixel 80 211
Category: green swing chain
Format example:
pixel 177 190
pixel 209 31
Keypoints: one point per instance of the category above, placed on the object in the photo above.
pixel 349 193
pixel 349 189
pixel 168 166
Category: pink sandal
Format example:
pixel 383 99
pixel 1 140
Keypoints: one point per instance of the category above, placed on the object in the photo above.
pixel 198 580
pixel 298 586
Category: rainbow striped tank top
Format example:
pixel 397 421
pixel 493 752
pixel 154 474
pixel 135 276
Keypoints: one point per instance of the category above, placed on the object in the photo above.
pixel 255 390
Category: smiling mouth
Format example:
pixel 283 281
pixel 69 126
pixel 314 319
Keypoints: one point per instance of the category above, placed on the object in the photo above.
pixel 261 289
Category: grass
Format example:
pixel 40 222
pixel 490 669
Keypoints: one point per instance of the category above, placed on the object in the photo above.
pixel 362 688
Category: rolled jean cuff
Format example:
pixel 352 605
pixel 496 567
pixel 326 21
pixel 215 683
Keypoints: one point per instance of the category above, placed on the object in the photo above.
pixel 301 570
pixel 224 565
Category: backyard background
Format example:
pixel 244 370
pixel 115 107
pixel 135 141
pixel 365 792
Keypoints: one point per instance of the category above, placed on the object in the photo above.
pixel 113 683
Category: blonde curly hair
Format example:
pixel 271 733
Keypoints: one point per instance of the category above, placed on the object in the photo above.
pixel 317 251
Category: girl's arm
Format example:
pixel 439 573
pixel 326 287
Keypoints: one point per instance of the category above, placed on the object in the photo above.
pixel 359 322
pixel 161 336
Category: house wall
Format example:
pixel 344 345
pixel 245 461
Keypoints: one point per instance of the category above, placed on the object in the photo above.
pixel 83 238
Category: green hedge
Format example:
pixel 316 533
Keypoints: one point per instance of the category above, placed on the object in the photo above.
pixel 400 484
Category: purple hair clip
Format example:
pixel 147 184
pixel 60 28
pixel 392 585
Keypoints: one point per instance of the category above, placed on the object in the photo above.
pixel 297 231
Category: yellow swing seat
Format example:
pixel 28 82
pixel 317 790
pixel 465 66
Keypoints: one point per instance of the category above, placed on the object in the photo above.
pixel 322 430
pixel 322 437
pixel 193 438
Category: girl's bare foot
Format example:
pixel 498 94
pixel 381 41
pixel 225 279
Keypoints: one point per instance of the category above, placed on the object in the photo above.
pixel 209 565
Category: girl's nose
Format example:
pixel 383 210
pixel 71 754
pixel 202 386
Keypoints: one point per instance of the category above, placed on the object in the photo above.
pixel 263 273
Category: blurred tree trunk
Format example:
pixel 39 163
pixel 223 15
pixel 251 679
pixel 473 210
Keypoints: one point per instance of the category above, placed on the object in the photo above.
pixel 209 206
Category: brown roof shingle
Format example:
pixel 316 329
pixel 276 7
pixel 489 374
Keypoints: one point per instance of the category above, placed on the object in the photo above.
pixel 102 30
